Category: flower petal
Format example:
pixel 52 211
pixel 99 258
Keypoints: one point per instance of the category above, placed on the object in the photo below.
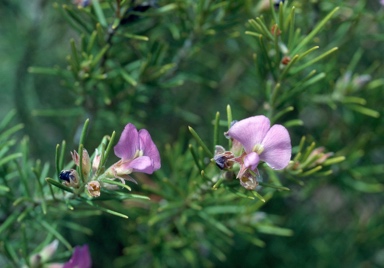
pixel 81 258
pixel 250 131
pixel 128 143
pixel 141 164
pixel 149 148
pixel 277 147
pixel 251 160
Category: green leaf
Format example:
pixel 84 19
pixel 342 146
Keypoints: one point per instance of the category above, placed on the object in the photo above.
pixel 59 185
pixel 259 196
pixel 312 34
pixel 364 110
pixel 10 158
pixel 91 41
pixel 200 141
pixel 108 150
pixel 4 188
pixel 43 174
pixel 99 13
pixel 137 37
pixel 278 187
pixel 253 34
pixel 229 122
pixel 288 67
pixel 273 230
pixel 10 252
pixel 77 227
pixel 365 187
pixel 221 227
pixel 310 172
pixel 216 130
pixel 195 158
pixel 127 77
pixel 75 19
pixel 311 62
pixel 235 209
pixel 282 112
pixel 6 134
pixel 7 118
pixel 240 194
pixel 116 183
pixel 100 55
pixel 43 70
pixel 110 211
pixel 294 123
pixel 57 112
pixel 10 219
pixel 333 160
pixel 52 229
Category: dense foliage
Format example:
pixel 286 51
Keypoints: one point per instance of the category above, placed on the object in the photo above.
pixel 74 74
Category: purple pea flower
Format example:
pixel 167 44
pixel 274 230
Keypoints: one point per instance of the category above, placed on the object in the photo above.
pixel 137 151
pixel 261 143
pixel 81 258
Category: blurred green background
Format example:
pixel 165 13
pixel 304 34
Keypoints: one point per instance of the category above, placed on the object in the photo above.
pixel 337 221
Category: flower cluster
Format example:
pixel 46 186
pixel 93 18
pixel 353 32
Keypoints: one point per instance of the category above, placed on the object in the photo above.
pixel 253 141
pixel 137 153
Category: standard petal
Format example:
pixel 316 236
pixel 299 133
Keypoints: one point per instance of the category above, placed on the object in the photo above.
pixel 141 164
pixel 251 160
pixel 250 131
pixel 277 147
pixel 149 148
pixel 128 143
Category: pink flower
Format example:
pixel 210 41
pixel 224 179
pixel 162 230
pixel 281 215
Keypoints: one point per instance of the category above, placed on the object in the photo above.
pixel 137 151
pixel 81 258
pixel 261 143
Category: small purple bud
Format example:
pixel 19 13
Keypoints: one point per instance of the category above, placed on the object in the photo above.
pixel 277 3
pixel 224 159
pixel 70 178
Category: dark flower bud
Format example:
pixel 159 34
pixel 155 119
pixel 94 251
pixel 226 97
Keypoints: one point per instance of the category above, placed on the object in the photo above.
pixel 130 15
pixel 70 178
pixel 224 159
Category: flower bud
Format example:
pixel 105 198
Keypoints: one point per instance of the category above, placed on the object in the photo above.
pixel 36 260
pixel 93 188
pixel 86 162
pixel 285 60
pixel 70 178
pixel 319 155
pixel 223 159
pixel 96 161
